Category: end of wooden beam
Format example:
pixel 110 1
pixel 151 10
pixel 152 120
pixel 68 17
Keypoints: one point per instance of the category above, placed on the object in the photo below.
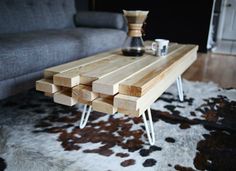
pixel 84 92
pixel 136 113
pixel 48 74
pixel 60 80
pixel 85 102
pixel 105 96
pixel 126 102
pixel 64 97
pixel 48 94
pixel 46 85
pixel 104 105
pixel 105 89
pixel 87 80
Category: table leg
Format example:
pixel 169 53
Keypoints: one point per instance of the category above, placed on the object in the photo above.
pixel 151 136
pixel 180 88
pixel 85 116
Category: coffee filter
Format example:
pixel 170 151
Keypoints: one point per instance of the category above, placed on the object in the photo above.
pixel 137 16
pixel 135 13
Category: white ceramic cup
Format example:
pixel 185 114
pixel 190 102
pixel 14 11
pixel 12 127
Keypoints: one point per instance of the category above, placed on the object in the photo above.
pixel 160 47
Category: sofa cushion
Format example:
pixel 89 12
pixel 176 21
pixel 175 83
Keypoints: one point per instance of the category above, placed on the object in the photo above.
pixel 100 19
pixel 34 51
pixel 31 15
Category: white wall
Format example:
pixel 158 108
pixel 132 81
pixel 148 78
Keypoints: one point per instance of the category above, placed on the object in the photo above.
pixel 222 19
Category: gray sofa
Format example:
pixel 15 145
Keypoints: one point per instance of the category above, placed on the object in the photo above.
pixel 36 34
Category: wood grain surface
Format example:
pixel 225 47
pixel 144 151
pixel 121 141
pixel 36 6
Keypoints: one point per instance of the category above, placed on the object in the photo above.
pixel 111 82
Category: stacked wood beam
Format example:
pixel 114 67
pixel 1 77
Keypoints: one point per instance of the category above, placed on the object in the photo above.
pixel 111 82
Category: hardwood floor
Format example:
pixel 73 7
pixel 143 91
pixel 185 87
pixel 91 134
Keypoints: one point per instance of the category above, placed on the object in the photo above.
pixel 218 68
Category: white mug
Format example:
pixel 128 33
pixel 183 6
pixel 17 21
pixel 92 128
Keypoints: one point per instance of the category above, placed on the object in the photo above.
pixel 160 47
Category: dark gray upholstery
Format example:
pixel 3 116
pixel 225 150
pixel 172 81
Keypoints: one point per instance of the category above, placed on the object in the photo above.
pixel 19 84
pixel 36 34
pixel 23 53
pixel 100 20
pixel 30 15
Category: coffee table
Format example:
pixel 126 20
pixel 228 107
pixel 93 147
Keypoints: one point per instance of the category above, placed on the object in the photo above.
pixel 110 82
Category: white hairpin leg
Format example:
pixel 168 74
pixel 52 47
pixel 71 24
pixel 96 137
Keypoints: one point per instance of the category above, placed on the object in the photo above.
pixel 151 136
pixel 180 88
pixel 85 116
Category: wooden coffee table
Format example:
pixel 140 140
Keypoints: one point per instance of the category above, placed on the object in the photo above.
pixel 110 82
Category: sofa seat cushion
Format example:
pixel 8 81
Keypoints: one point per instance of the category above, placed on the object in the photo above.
pixel 24 53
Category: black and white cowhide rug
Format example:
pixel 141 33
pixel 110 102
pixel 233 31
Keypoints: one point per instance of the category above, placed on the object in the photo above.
pixel 197 134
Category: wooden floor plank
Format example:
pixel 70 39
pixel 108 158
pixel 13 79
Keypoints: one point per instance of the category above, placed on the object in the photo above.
pixel 211 67
pixel 140 104
pixel 140 83
pixel 46 85
pixel 49 72
pixel 72 77
pixel 110 83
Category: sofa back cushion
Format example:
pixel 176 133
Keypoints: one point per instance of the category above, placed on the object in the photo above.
pixel 31 15
pixel 100 20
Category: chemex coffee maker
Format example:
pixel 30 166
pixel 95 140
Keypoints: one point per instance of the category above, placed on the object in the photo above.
pixel 133 45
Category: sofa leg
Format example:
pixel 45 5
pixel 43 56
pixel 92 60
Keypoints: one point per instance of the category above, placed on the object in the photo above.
pixel 85 116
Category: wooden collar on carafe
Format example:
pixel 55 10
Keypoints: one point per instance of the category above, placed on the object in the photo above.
pixel 135 30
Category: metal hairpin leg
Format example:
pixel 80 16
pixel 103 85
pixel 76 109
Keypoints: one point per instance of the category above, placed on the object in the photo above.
pixel 85 116
pixel 151 136
pixel 180 88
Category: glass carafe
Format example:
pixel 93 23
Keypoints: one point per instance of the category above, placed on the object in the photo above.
pixel 133 45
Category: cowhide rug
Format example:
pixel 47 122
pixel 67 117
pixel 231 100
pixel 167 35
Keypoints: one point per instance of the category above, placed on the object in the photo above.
pixel 197 134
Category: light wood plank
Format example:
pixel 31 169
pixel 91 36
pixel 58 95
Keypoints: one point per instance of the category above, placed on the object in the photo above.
pixel 113 66
pixel 72 78
pixel 131 113
pixel 140 83
pixel 49 72
pixel 48 94
pixel 148 75
pixel 85 102
pixel 84 92
pixel 167 77
pixel 110 84
pixel 126 102
pixel 105 96
pixel 104 105
pixel 46 85
pixel 65 98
